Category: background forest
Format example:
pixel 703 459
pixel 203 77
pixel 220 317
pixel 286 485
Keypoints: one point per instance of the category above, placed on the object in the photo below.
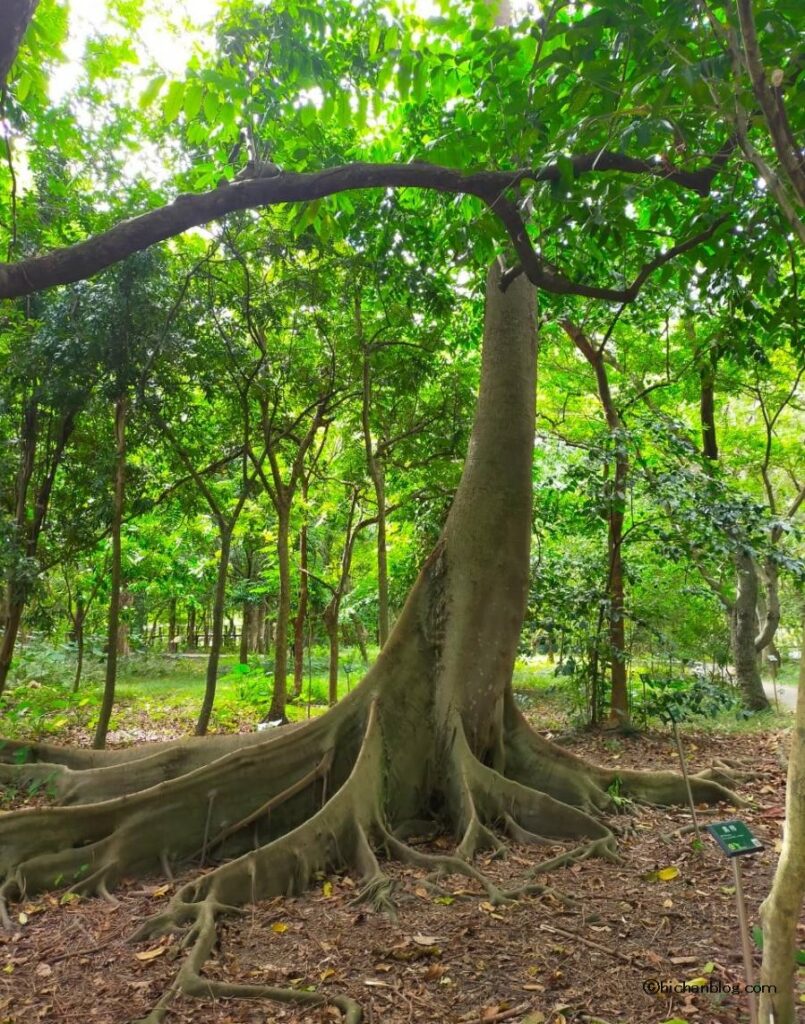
pixel 226 458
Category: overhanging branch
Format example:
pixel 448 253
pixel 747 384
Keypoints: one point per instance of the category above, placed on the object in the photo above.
pixel 82 260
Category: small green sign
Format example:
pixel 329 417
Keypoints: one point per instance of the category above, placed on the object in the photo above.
pixel 734 838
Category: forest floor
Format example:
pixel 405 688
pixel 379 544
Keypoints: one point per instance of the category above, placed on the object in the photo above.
pixel 451 958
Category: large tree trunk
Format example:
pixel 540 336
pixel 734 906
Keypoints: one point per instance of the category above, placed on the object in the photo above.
pixel 780 912
pixel 743 632
pixel 432 732
pixel 217 636
pixel 113 622
pixel 14 21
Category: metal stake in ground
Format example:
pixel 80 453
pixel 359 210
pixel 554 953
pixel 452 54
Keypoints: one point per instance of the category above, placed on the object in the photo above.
pixel 679 751
pixel 735 840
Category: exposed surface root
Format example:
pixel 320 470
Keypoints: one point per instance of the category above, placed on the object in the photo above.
pixel 277 812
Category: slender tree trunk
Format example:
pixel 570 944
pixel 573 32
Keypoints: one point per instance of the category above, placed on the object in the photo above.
pixel 379 481
pixel 191 627
pixel 279 696
pixel 172 626
pixel 331 626
pixel 78 631
pixel 619 700
pixel 113 623
pixel 123 645
pixel 377 475
pixel 301 608
pixel 743 624
pixel 243 654
pixel 217 636
pixel 707 406
pixel 259 627
pixel 12 628
pixel 619 697
pixel 768 606
pixel 780 912
pixel 360 639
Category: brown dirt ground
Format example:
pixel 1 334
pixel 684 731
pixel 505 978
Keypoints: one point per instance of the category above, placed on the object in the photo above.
pixel 447 959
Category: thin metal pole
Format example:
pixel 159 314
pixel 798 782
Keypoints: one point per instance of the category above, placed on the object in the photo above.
pixel 747 949
pixel 687 780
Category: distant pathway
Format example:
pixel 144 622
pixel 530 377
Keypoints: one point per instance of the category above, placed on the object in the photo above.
pixel 786 694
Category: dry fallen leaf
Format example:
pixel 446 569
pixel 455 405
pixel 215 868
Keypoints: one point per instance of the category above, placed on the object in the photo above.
pixel 151 954
pixel 425 940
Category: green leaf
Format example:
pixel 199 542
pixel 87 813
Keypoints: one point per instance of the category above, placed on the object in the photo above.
pixel 210 105
pixel 391 38
pixel 151 91
pixel 22 86
pixel 173 101
pixel 192 100
pixel 374 41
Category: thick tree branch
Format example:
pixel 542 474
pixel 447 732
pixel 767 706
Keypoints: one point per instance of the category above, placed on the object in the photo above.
pixel 82 260
pixel 559 284
pixel 771 103
pixel 14 20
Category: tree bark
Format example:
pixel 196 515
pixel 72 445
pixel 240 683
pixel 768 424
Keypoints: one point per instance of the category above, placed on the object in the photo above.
pixel 217 634
pixel 279 695
pixel 376 471
pixel 781 909
pixel 743 632
pixel 172 626
pixel 243 653
pixel 619 696
pixel 301 608
pixel 113 623
pixel 707 406
pixel 29 527
pixel 14 20
pixel 768 606
pixel 78 632
pixel 331 626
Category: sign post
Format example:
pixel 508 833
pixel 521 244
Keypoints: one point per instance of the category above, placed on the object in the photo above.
pixel 735 841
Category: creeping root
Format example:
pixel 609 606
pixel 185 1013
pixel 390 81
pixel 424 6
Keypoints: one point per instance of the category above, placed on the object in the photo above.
pixel 274 814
